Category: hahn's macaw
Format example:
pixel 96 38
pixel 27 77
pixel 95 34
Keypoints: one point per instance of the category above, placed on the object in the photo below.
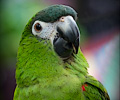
pixel 50 64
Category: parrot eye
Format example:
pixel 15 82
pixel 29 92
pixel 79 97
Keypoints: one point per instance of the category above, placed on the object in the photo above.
pixel 37 27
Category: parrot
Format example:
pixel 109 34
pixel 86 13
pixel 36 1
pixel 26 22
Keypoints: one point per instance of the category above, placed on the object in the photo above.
pixel 50 64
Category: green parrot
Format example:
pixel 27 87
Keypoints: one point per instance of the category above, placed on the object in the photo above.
pixel 50 64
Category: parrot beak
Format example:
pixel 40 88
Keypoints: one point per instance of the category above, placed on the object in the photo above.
pixel 68 37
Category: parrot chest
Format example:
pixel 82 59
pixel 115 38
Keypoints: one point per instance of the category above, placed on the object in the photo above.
pixel 58 88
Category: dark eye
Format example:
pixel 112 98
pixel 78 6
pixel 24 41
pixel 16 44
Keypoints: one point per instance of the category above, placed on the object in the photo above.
pixel 37 27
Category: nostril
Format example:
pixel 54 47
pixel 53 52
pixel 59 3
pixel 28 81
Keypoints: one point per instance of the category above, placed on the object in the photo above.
pixel 62 19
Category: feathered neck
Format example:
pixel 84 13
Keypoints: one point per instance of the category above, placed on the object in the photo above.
pixel 36 60
pixel 77 63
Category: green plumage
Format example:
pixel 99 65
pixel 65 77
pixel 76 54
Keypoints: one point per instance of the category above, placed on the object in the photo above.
pixel 54 12
pixel 42 75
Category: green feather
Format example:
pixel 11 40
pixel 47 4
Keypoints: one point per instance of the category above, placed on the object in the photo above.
pixel 53 13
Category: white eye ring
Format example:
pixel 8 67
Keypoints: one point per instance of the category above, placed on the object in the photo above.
pixel 36 28
pixel 42 29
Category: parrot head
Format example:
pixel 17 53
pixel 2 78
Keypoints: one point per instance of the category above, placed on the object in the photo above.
pixel 56 24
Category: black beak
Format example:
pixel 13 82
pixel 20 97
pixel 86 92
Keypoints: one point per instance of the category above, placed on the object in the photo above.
pixel 68 38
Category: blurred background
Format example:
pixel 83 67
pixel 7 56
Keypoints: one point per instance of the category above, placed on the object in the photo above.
pixel 100 29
